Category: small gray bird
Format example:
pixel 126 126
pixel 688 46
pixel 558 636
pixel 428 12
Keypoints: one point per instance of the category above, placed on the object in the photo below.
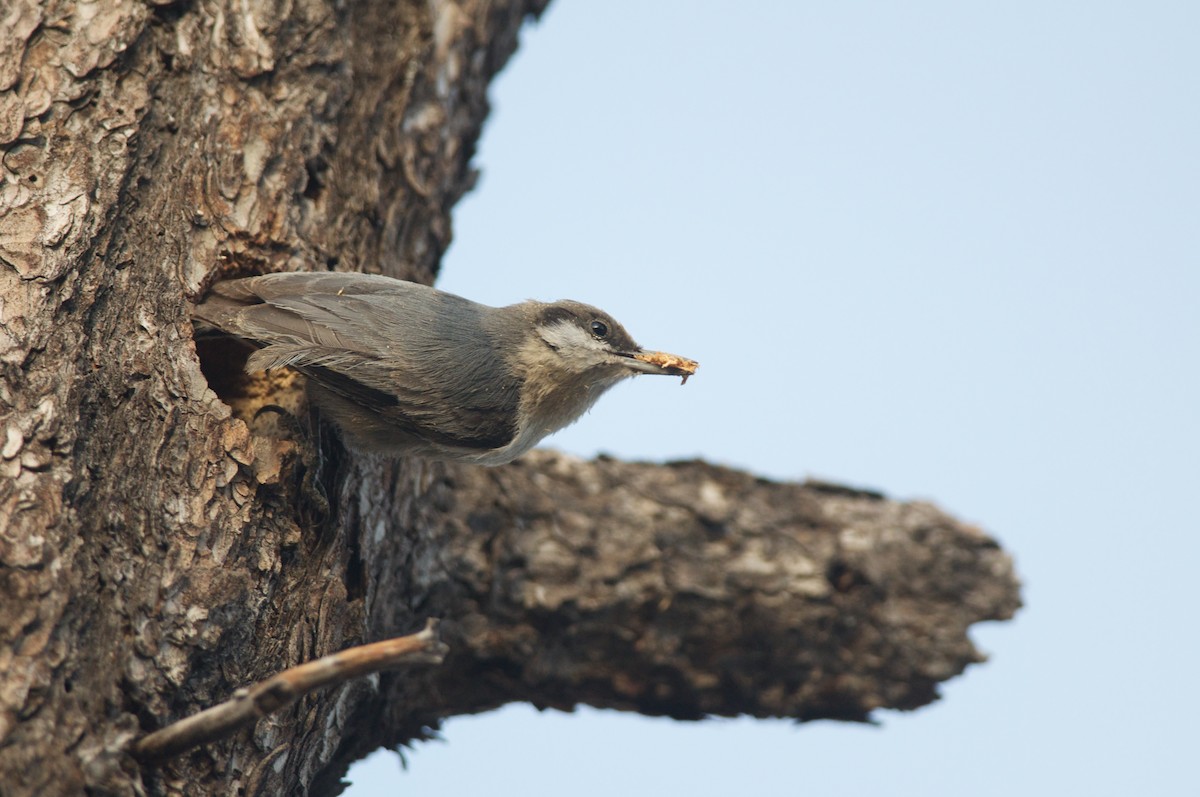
pixel 407 369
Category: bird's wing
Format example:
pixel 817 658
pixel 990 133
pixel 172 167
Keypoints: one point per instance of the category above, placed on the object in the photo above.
pixel 404 352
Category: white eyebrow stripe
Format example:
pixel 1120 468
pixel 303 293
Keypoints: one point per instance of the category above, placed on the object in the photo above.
pixel 564 334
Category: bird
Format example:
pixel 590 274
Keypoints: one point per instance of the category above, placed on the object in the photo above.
pixel 405 369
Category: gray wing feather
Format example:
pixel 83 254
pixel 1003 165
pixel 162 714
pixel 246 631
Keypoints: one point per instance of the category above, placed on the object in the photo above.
pixel 392 354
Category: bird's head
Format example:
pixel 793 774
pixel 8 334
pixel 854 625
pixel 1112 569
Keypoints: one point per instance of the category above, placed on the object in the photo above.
pixel 588 343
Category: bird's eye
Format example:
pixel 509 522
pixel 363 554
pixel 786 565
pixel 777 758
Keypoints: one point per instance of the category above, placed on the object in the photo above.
pixel 599 329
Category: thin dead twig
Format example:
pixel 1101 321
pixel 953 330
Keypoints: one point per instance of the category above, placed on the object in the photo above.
pixel 282 689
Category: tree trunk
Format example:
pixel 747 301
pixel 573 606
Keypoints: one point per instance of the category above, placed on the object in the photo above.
pixel 162 546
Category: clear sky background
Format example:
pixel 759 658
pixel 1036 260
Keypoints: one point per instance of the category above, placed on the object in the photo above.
pixel 948 250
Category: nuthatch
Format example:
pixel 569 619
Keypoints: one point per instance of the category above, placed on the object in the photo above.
pixel 407 369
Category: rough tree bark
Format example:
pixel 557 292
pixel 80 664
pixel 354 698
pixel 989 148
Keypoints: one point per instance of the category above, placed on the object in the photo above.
pixel 159 550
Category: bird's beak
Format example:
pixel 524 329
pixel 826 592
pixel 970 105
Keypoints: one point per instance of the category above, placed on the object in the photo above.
pixel 659 362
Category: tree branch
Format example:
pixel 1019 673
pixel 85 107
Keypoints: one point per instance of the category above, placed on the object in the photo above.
pixel 691 590
pixel 251 704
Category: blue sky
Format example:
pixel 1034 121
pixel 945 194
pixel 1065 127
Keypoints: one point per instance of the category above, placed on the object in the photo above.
pixel 946 250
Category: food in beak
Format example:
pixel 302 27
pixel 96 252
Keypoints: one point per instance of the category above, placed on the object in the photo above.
pixel 672 364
